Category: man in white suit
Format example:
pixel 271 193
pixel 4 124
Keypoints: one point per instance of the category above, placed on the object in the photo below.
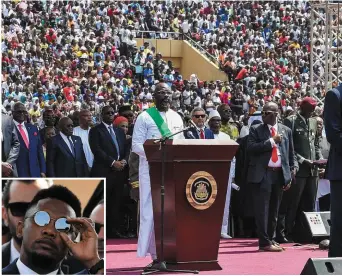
pixel 154 123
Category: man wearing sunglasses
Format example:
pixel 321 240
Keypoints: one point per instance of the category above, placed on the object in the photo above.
pixel 199 117
pixel 111 152
pixel 271 168
pixel 49 230
pixel 17 195
pixel 31 161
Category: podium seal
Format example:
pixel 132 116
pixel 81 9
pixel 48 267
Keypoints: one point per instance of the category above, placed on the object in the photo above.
pixel 201 190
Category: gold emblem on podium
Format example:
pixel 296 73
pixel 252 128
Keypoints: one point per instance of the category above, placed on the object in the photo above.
pixel 201 190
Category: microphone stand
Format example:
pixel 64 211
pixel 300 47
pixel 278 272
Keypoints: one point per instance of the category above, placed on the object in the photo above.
pixel 162 266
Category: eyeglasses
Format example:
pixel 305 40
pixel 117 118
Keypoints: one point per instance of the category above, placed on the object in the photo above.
pixel 98 227
pixel 18 209
pixel 199 116
pixel 20 111
pixel 266 113
pixel 216 120
pixel 109 113
pixel 42 218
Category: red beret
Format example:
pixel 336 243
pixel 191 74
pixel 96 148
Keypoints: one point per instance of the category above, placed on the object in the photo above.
pixel 119 120
pixel 309 100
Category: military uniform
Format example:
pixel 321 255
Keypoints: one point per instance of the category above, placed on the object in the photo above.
pixel 302 194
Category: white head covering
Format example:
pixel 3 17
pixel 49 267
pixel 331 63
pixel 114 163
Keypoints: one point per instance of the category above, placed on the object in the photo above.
pixel 214 113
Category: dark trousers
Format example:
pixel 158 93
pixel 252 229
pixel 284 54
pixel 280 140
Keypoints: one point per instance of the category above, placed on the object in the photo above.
pixel 114 200
pixel 335 247
pixel 266 200
pixel 299 198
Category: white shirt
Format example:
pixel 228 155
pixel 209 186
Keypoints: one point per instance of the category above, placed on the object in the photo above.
pixel 14 252
pixel 23 127
pixel 222 136
pixel 67 141
pixel 84 134
pixel 271 163
pixel 24 270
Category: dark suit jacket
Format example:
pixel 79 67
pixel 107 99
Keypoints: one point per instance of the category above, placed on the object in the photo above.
pixel 207 133
pixel 104 150
pixel 6 254
pixel 61 162
pixel 31 162
pixel 259 148
pixel 333 130
pixel 11 144
pixel 12 269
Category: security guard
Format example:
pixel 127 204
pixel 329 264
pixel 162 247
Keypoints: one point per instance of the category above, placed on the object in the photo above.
pixel 301 196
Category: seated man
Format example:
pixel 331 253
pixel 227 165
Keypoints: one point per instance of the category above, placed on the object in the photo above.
pixel 48 232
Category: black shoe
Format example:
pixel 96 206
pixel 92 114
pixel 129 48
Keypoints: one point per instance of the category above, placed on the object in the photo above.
pixel 118 235
pixel 153 265
pixel 131 235
pixel 282 239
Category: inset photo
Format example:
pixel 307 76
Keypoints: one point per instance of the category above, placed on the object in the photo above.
pixel 53 226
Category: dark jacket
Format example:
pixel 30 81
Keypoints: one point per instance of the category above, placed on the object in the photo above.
pixel 6 254
pixel 306 142
pixel 11 144
pixel 31 161
pixel 208 134
pixel 333 130
pixel 12 269
pixel 259 148
pixel 60 160
pixel 104 150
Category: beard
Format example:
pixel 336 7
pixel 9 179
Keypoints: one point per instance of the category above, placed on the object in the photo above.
pixel 43 262
pixel 13 230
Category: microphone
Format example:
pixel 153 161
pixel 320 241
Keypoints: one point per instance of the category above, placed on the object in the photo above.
pixel 193 124
pixel 189 133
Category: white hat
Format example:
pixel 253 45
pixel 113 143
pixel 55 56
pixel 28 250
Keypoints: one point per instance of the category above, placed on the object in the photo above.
pixel 214 113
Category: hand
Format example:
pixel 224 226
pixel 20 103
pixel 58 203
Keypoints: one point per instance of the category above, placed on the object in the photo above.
pixel 277 138
pixel 293 173
pixel 43 175
pixel 128 137
pixel 118 166
pixel 134 194
pixel 85 250
pixel 321 173
pixel 308 163
pixel 6 169
pixel 286 187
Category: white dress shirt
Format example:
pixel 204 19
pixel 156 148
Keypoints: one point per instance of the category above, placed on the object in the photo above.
pixel 274 144
pixel 84 134
pixel 14 252
pixel 67 141
pixel 25 270
pixel 23 127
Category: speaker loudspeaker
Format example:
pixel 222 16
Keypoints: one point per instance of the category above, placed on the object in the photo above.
pixel 323 266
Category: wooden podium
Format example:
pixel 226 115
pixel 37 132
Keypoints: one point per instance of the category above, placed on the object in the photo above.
pixel 196 179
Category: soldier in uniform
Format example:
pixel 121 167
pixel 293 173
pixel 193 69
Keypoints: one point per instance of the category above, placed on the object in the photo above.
pixel 302 195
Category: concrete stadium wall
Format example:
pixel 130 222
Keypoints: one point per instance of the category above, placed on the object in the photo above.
pixel 185 58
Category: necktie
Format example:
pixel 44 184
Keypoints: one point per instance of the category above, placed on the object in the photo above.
pixel 274 157
pixel 72 146
pixel 202 134
pixel 114 139
pixel 23 135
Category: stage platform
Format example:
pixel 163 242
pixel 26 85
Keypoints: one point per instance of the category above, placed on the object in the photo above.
pixel 236 256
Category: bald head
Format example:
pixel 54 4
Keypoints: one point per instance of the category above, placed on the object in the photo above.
pixel 66 126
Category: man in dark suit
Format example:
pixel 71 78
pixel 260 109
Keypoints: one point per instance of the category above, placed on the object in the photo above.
pixel 10 147
pixel 199 117
pixel 45 243
pixel 333 129
pixel 64 155
pixel 272 166
pixel 31 161
pixel 302 196
pixel 111 153
pixel 16 196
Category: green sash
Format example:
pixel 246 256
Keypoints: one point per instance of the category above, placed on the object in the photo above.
pixel 158 119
